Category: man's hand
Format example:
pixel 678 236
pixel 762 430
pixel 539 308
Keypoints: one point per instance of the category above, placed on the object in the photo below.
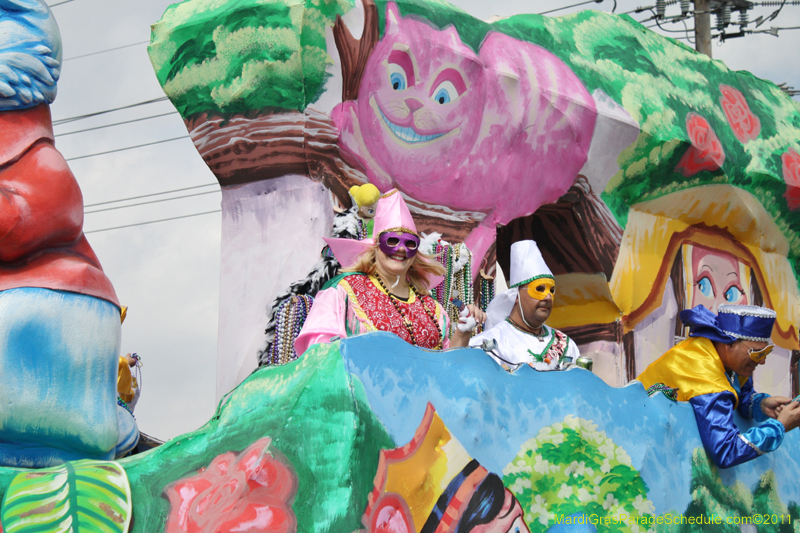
pixel 469 317
pixel 790 415
pixel 773 405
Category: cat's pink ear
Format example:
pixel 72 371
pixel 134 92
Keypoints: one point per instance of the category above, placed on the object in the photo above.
pixel 451 32
pixel 392 18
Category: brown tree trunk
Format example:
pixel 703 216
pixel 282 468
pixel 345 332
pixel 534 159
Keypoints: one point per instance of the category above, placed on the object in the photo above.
pixel 354 53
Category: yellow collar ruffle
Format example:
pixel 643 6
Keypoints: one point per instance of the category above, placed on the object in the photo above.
pixel 693 367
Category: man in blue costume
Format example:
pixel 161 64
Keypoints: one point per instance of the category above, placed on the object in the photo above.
pixel 713 371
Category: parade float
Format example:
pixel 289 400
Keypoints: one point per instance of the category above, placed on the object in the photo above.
pixel 640 167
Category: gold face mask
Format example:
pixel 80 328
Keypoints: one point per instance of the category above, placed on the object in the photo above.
pixel 759 355
pixel 538 289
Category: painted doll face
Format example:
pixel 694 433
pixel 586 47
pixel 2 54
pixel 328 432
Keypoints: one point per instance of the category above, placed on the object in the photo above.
pixel 716 279
pixel 510 519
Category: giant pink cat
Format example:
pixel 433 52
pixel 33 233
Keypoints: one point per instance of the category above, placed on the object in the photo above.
pixel 498 134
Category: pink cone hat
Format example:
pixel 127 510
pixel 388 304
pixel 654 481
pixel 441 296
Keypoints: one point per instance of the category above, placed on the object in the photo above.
pixel 391 214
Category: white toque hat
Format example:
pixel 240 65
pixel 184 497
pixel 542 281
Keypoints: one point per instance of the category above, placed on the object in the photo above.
pixel 527 264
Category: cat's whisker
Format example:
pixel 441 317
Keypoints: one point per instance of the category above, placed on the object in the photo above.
pixel 428 120
pixel 397 108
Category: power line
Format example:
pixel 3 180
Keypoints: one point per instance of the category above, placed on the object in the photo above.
pixel 153 221
pixel 148 195
pixel 637 10
pixel 662 28
pixel 104 51
pixel 573 5
pixel 98 113
pixel 60 3
pixel 126 148
pixel 116 124
pixel 150 202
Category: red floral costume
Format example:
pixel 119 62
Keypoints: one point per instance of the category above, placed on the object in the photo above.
pixel 357 305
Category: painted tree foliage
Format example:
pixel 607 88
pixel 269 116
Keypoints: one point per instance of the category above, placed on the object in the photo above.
pixel 733 505
pixel 572 468
pixel 235 57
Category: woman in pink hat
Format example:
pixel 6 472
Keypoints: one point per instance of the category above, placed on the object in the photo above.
pixel 384 287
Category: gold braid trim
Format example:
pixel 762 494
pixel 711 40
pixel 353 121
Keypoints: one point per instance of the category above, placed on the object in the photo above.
pixel 359 312
pixel 400 230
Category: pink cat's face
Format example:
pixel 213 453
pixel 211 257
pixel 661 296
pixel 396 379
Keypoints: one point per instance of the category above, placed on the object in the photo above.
pixel 421 100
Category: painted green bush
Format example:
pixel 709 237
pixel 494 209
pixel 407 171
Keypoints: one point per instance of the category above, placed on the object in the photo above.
pixel 731 506
pixel 243 55
pixel 571 468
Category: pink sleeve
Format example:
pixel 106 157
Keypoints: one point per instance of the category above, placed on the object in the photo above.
pixel 325 321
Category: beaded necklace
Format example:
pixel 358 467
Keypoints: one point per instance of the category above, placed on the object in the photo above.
pixel 456 284
pixel 406 321
pixel 539 336
pixel 289 319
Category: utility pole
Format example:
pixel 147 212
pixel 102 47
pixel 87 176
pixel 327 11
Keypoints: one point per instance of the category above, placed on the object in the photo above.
pixel 702 26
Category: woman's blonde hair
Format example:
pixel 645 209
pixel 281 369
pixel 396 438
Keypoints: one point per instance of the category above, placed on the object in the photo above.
pixel 422 266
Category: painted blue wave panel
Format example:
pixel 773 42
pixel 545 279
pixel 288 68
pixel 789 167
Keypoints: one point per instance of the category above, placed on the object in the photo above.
pixel 494 413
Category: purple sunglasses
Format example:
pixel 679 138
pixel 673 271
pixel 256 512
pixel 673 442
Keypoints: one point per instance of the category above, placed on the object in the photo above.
pixel 391 242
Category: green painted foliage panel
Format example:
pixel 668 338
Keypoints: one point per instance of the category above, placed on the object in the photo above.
pixel 243 55
pixel 315 417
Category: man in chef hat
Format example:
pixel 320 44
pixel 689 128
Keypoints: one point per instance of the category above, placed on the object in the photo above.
pixel 515 332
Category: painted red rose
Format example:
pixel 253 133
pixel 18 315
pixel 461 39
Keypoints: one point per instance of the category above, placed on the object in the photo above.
pixel 251 492
pixel 791 175
pixel 706 151
pixel 745 124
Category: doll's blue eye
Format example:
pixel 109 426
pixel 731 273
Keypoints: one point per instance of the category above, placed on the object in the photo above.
pixel 733 294
pixel 705 287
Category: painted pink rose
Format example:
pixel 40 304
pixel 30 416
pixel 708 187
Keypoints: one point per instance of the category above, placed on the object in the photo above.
pixel 745 125
pixel 706 152
pixel 250 492
pixel 791 175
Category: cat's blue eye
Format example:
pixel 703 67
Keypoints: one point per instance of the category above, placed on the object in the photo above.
pixel 445 93
pixel 705 287
pixel 397 77
pixel 733 294
pixel 398 82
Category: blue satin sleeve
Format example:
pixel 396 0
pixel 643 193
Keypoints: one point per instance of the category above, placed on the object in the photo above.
pixel 723 441
pixel 746 399
pixel 750 402
pixel 755 408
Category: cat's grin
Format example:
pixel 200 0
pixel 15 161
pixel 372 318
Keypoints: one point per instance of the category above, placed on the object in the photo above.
pixel 407 134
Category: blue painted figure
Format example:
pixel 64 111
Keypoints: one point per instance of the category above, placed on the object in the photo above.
pixel 59 314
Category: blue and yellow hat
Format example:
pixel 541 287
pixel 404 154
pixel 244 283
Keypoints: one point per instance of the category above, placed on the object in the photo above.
pixel 731 323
